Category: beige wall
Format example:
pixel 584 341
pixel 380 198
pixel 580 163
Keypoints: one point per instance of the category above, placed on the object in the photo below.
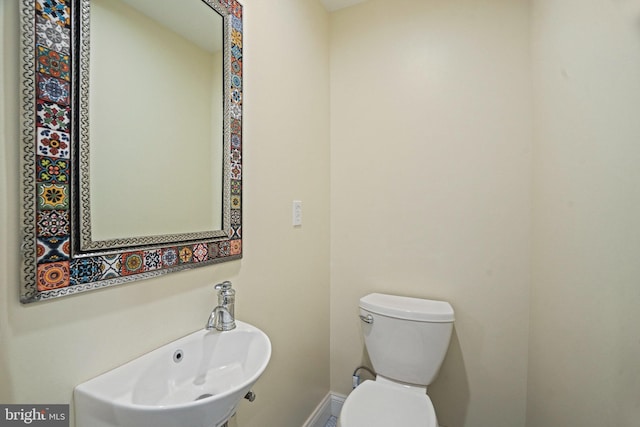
pixel 8 178
pixel 282 282
pixel 585 303
pixel 430 187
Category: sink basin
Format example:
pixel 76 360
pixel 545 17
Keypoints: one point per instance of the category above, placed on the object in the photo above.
pixel 195 381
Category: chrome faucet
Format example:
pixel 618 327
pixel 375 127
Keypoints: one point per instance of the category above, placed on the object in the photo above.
pixel 222 317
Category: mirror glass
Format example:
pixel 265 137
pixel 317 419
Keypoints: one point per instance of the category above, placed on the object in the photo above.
pixel 155 118
pixel 131 135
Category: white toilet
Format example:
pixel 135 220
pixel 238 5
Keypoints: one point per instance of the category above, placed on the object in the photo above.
pixel 407 339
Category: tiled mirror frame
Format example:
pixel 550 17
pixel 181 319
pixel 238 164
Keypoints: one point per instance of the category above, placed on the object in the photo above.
pixel 51 267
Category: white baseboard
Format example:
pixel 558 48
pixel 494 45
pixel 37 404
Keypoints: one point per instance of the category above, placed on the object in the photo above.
pixel 337 400
pixel 329 406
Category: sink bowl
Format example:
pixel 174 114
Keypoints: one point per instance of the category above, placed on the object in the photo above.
pixel 195 381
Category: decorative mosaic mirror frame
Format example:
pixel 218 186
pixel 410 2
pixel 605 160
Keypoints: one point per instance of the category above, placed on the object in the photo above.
pixel 54 47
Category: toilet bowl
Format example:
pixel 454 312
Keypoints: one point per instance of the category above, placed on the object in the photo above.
pixel 377 404
pixel 407 339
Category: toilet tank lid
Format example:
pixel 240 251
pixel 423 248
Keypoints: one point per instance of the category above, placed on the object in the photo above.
pixel 418 309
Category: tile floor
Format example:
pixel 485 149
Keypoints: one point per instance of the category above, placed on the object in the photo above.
pixel 331 422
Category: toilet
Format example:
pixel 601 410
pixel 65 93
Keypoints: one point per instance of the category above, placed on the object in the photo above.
pixel 407 339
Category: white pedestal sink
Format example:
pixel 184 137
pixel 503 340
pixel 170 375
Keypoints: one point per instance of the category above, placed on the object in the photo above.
pixel 196 381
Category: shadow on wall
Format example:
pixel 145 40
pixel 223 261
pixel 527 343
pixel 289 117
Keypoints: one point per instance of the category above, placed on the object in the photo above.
pixel 5 379
pixel 9 274
pixel 365 361
pixel 451 385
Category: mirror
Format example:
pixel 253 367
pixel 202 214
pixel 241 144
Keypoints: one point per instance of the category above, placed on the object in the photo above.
pixel 131 135
pixel 168 154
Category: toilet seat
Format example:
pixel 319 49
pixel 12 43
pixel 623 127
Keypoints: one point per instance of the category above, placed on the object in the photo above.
pixel 376 404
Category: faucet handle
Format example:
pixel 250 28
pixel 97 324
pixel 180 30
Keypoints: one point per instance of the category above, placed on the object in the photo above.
pixel 224 286
pixel 226 294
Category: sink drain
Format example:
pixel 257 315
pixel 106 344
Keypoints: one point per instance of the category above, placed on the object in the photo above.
pixel 204 396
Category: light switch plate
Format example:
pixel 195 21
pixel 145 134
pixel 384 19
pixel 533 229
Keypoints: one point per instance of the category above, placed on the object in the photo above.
pixel 297 213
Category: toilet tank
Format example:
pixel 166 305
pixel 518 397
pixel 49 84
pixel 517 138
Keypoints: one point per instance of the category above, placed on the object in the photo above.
pixel 407 338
